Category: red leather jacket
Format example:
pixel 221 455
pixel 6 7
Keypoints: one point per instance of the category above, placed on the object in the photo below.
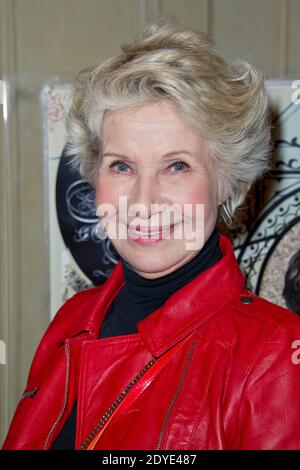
pixel 233 385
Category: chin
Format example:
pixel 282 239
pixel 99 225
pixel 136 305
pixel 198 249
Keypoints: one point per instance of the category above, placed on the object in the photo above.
pixel 152 272
pixel 152 260
pixel 149 265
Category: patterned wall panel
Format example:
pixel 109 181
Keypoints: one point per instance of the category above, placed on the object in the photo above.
pixel 265 240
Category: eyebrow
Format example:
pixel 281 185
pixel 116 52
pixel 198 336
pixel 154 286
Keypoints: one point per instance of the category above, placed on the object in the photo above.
pixel 166 155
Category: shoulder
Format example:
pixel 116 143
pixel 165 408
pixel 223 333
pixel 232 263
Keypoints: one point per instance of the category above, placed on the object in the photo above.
pixel 250 305
pixel 253 326
pixel 75 314
pixel 74 305
pixel 72 318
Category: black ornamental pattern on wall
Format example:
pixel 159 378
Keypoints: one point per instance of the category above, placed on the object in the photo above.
pixel 277 199
pixel 76 213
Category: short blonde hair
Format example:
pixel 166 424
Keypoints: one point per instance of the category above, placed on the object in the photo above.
pixel 226 104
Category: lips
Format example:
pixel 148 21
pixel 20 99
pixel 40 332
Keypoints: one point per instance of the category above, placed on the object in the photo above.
pixel 150 231
pixel 150 238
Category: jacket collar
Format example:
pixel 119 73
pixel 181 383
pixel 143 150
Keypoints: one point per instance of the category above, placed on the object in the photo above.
pixel 184 311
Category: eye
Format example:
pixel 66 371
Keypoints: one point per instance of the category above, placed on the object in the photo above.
pixel 121 165
pixel 181 165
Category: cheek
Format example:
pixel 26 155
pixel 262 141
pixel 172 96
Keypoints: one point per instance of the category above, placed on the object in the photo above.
pixel 199 191
pixel 109 189
pixel 203 192
pixel 105 193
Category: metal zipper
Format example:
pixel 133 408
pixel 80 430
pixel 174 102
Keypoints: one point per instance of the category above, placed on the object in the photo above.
pixel 30 394
pixel 165 422
pixel 63 408
pixel 114 406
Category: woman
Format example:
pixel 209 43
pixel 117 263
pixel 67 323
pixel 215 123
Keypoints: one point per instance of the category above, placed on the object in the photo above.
pixel 172 352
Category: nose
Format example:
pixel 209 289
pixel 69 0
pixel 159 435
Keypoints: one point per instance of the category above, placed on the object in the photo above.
pixel 144 194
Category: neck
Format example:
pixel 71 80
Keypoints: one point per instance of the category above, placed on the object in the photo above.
pixel 146 295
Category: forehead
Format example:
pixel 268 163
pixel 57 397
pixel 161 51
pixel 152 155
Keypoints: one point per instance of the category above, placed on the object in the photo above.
pixel 155 123
pixel 149 114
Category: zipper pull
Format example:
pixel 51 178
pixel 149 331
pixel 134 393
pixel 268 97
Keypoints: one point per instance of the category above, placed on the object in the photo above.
pixel 30 394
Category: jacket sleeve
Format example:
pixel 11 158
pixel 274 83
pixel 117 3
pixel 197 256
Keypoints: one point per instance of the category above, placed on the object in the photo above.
pixel 269 415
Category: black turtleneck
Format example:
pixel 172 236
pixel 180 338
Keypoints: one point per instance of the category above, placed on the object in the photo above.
pixel 138 298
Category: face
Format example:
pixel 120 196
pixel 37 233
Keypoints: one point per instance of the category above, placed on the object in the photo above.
pixel 161 168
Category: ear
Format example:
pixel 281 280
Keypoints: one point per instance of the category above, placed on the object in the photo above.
pixel 223 191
